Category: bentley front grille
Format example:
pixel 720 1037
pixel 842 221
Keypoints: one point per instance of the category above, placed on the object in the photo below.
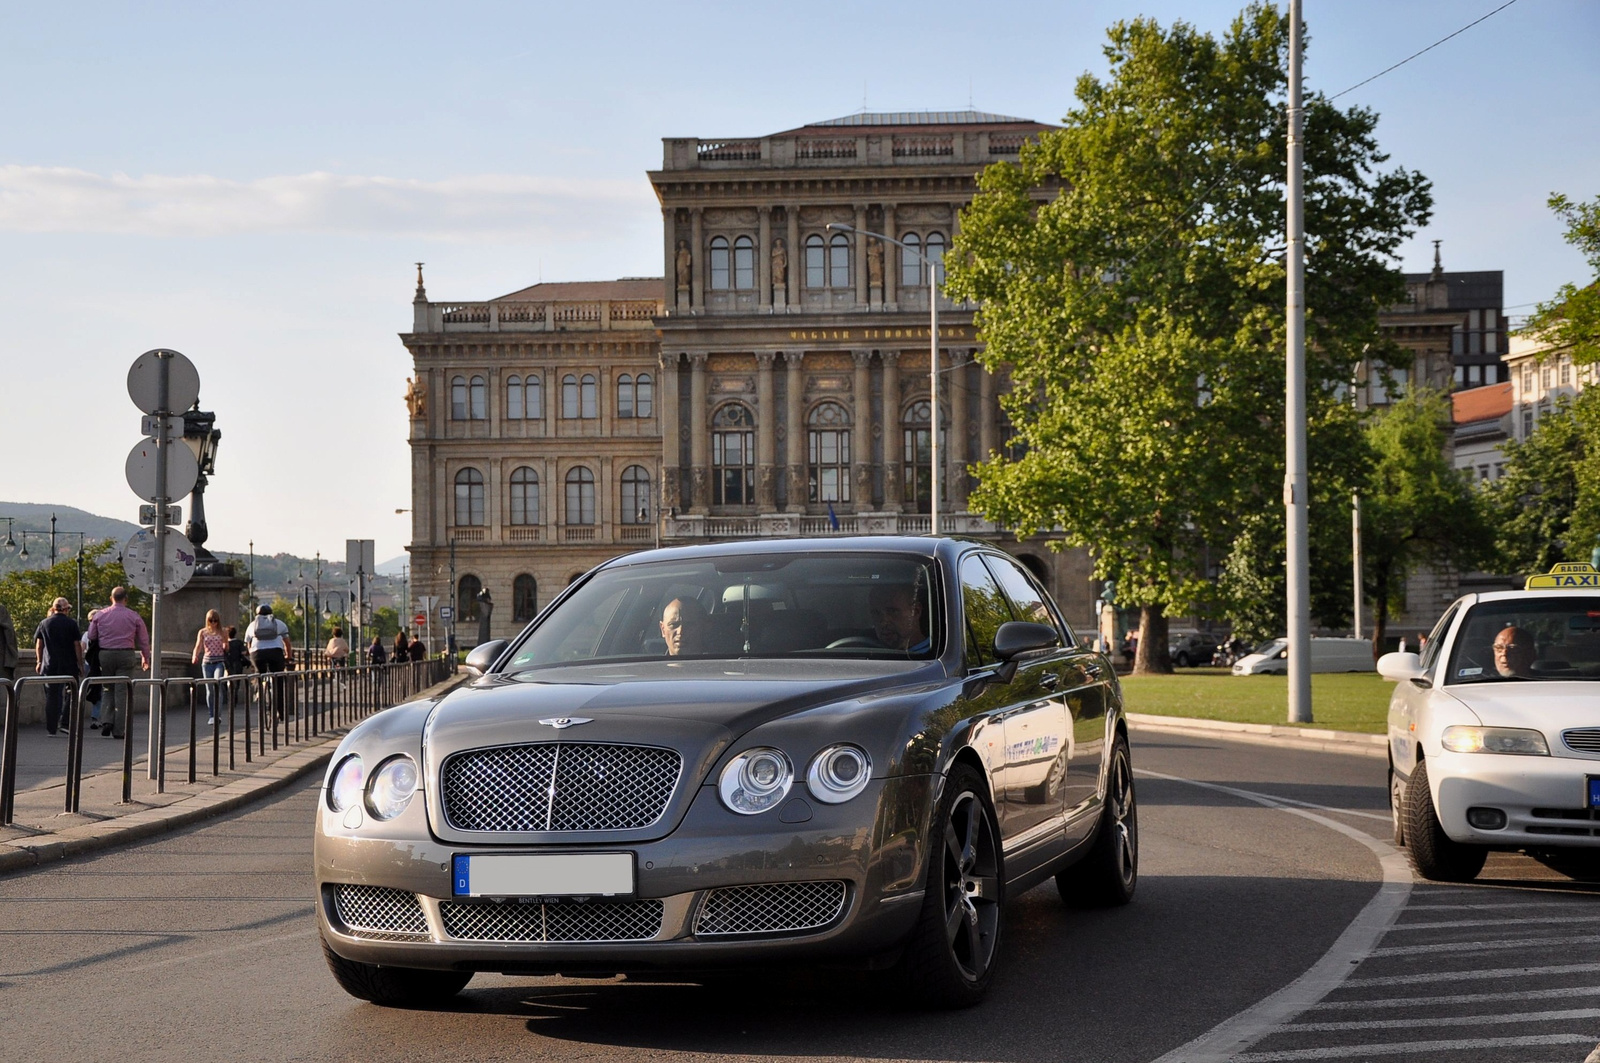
pixel 376 911
pixel 558 786
pixel 588 921
pixel 782 907
pixel 1583 739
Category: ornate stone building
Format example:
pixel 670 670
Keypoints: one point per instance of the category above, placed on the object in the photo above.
pixel 774 382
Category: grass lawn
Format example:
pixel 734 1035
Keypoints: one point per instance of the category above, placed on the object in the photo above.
pixel 1341 701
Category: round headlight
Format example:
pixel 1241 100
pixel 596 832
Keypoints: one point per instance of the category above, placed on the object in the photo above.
pixel 755 781
pixel 344 788
pixel 392 786
pixel 839 773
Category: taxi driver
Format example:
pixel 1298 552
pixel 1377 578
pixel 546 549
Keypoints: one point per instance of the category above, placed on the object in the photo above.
pixel 896 615
pixel 1514 651
pixel 683 626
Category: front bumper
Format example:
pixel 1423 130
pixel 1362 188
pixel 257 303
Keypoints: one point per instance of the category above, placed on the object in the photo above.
pixel 1545 799
pixel 873 845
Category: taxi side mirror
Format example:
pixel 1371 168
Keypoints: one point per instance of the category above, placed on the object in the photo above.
pixel 482 656
pixel 1398 666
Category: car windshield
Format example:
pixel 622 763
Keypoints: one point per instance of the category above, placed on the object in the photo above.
pixel 800 605
pixel 1528 639
pixel 1270 649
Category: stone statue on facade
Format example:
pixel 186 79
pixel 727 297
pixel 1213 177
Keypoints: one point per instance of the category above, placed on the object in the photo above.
pixel 683 263
pixel 670 493
pixel 863 488
pixel 875 264
pixel 417 396
pixel 485 610
pixel 780 265
pixel 767 488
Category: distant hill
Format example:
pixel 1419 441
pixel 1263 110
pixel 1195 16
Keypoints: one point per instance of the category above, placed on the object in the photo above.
pixel 35 520
pixel 395 566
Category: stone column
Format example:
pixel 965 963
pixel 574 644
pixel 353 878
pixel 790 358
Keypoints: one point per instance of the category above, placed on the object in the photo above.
pixel 671 445
pixel 669 231
pixel 795 431
pixel 797 259
pixel 861 459
pixel 986 411
pixel 697 254
pixel 766 434
pixel 861 256
pixel 960 431
pixel 891 261
pixel 764 257
pixel 699 474
pixel 892 438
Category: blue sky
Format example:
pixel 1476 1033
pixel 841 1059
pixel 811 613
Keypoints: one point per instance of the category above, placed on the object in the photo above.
pixel 251 183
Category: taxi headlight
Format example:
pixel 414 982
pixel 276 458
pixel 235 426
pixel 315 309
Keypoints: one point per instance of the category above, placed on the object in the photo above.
pixel 1523 740
pixel 344 787
pixel 838 773
pixel 391 787
pixel 755 780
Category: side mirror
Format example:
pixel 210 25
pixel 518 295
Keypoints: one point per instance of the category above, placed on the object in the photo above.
pixel 1398 666
pixel 1016 637
pixel 483 655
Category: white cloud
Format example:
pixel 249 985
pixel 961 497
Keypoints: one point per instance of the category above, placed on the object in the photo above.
pixel 476 209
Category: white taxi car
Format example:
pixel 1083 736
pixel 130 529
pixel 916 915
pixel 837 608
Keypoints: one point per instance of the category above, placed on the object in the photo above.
pixel 1494 730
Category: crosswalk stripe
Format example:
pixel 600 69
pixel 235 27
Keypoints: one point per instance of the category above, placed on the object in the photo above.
pixel 1455 924
pixel 1406 1048
pixel 1458 998
pixel 1485 946
pixel 1474 975
pixel 1577 903
pixel 1502 1019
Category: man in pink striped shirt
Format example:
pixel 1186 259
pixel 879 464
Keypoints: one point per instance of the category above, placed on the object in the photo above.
pixel 124 650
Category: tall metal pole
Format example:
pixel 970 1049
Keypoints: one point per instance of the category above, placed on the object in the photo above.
pixel 933 376
pixel 1295 487
pixel 1355 553
pixel 158 722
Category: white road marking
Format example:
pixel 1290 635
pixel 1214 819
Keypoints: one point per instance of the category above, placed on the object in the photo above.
pixel 1225 1041
pixel 1404 1048
pixel 1456 998
pixel 1498 1019
pixel 1565 920
pixel 1417 906
pixel 1474 975
pixel 1486 946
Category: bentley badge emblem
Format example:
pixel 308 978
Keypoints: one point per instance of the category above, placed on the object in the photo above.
pixel 563 722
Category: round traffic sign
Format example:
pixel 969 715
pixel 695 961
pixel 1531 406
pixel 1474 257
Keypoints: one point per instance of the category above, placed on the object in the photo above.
pixel 144 381
pixel 182 470
pixel 139 560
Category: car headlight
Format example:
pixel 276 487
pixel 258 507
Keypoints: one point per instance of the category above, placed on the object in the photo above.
pixel 838 773
pixel 756 780
pixel 344 788
pixel 391 787
pixel 1464 739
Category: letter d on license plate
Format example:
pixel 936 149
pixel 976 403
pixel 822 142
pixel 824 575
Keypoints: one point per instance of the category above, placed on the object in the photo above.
pixel 543 875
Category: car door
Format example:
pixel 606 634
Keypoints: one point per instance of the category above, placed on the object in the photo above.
pixel 1031 728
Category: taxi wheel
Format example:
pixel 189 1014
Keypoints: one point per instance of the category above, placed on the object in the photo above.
pixel 1433 853
pixel 1108 874
pixel 394 987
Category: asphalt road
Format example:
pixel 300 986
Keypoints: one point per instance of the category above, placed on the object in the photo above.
pixel 202 945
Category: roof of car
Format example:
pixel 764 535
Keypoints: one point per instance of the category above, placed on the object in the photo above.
pixel 915 545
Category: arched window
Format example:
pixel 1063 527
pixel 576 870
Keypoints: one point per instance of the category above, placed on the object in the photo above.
pixel 816 262
pixel 625 395
pixel 467 590
pixel 644 396
pixel 719 263
pixel 911 264
pixel 524 598
pixel 469 498
pixel 580 496
pixel 532 398
pixel 839 261
pixel 916 456
pixel 480 399
pixel 513 398
pixel 458 398
pixel 569 396
pixel 935 251
pixel 733 468
pixel 635 495
pixel 524 496
pixel 591 396
pixel 828 451
pixel 744 263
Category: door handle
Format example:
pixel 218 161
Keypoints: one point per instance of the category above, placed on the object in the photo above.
pixel 1094 670
pixel 1049 680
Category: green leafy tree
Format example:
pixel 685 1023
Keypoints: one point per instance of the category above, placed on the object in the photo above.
pixel 28 593
pixel 1571 321
pixel 1419 509
pixel 1546 508
pixel 1130 269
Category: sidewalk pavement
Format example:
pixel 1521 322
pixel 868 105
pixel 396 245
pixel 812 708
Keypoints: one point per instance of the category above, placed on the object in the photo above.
pixel 43 832
pixel 1323 741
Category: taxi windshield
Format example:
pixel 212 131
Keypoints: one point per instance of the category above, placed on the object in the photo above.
pixel 798 606
pixel 1528 639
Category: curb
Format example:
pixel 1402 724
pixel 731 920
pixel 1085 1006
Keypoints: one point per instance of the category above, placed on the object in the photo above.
pixel 23 854
pixel 1347 742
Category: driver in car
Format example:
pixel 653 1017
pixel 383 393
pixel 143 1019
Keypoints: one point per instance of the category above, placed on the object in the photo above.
pixel 1514 651
pixel 683 626
pixel 897 620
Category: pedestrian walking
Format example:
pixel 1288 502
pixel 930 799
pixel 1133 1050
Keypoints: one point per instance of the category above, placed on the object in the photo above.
pixel 210 653
pixel 338 649
pixel 418 649
pixel 8 646
pixel 124 651
pixel 91 668
pixel 233 657
pixel 402 649
pixel 58 651
pixel 376 654
pixel 268 639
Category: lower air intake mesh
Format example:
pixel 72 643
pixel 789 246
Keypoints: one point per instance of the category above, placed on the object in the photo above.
pixel 782 907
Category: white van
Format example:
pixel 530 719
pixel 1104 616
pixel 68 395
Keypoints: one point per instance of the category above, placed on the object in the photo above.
pixel 1327 655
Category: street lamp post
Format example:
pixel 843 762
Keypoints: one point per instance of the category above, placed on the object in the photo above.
pixel 932 273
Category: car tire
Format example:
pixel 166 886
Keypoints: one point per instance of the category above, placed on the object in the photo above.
pixel 1396 809
pixel 1109 873
pixel 1182 660
pixel 950 957
pixel 1580 864
pixel 394 987
pixel 1434 855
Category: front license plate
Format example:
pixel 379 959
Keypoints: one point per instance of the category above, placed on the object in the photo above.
pixel 543 875
pixel 1594 791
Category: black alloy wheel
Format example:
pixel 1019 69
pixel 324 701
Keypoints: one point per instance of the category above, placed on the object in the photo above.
pixel 1434 854
pixel 1108 874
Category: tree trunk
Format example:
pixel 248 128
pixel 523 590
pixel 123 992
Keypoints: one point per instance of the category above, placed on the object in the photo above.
pixel 1152 656
pixel 1380 611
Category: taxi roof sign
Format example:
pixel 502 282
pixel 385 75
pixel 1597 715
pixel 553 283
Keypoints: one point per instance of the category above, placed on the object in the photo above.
pixel 1565 574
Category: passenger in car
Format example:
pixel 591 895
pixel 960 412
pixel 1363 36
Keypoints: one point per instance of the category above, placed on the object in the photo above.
pixel 897 620
pixel 684 627
pixel 1514 651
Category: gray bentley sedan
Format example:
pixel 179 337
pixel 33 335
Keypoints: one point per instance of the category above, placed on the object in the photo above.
pixel 825 752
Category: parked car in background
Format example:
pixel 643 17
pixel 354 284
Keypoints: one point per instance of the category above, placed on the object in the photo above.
pixel 1327 655
pixel 1195 648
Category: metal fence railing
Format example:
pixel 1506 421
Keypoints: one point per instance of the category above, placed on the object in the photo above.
pixel 250 713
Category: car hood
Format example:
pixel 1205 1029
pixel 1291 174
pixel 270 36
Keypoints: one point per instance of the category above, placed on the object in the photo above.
pixel 1547 705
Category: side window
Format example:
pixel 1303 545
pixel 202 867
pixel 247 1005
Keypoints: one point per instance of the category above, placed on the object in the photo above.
pixel 1430 652
pixel 1026 599
pixel 985 608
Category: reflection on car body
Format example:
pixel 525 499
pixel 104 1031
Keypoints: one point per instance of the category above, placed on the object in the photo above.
pixel 749 753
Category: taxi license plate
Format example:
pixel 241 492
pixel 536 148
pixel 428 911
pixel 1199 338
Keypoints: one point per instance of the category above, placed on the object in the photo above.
pixel 543 875
pixel 1594 791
